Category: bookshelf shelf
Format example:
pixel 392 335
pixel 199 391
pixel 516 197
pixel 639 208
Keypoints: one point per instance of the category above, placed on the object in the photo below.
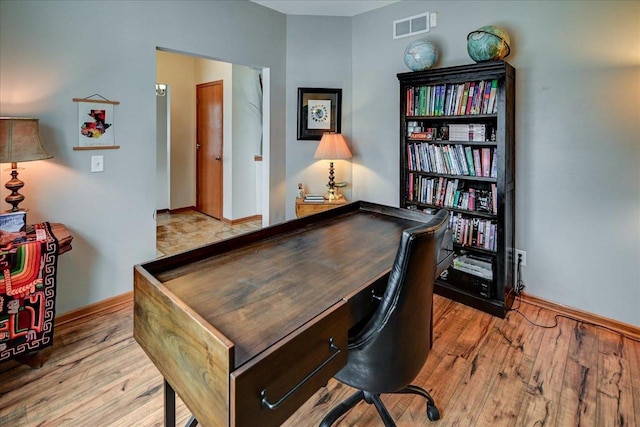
pixel 474 179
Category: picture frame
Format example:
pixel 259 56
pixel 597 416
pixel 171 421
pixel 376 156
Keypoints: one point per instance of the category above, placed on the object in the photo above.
pixel 96 123
pixel 319 111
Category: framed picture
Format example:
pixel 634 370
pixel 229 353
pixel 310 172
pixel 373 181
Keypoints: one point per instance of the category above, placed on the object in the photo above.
pixel 319 111
pixel 95 123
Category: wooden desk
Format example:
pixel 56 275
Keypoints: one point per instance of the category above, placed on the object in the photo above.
pixel 307 208
pixel 262 319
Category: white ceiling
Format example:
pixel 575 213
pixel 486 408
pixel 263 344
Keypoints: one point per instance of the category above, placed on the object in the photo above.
pixel 324 7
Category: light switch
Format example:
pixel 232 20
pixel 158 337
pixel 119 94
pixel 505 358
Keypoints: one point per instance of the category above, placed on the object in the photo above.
pixel 433 18
pixel 97 163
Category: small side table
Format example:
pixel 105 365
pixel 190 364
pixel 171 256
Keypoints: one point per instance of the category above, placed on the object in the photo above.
pixel 307 208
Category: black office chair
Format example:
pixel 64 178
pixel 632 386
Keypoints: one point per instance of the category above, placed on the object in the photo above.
pixel 391 348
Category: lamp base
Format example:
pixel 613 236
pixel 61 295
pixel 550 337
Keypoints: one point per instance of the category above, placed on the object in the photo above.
pixel 332 195
pixel 13 185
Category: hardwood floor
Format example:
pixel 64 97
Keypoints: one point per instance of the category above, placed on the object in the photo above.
pixel 481 371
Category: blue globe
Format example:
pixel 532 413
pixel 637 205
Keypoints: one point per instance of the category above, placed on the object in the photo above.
pixel 420 55
pixel 488 43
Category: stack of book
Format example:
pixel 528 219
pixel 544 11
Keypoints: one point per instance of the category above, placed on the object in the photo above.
pixel 476 265
pixel 468 132
pixel 314 198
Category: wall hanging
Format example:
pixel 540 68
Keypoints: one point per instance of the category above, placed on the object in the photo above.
pixel 96 123
pixel 319 111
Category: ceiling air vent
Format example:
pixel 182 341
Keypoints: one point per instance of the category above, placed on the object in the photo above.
pixel 411 26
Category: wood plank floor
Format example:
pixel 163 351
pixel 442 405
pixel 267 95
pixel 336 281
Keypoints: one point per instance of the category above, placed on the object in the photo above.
pixel 481 371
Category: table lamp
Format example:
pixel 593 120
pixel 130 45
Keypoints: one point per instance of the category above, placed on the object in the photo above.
pixel 332 147
pixel 19 142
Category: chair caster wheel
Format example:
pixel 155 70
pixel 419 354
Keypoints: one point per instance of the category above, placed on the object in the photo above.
pixel 432 413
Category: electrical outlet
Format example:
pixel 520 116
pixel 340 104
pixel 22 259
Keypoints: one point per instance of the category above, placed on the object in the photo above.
pixel 523 256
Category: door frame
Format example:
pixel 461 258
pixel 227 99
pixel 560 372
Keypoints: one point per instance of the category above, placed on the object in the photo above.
pixel 266 128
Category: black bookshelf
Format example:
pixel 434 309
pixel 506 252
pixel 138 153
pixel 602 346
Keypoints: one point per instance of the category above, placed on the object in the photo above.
pixel 433 176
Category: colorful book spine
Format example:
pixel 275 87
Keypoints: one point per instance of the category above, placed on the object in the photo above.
pixel 477 162
pixel 486 161
pixel 491 109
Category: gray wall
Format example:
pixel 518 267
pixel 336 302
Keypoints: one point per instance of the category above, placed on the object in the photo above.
pixel 318 56
pixel 56 50
pixel 578 121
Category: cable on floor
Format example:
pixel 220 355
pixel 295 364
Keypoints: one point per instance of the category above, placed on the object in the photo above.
pixel 520 286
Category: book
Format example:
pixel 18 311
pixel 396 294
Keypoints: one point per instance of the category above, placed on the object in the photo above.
pixel 13 222
pixel 314 198
pixel 469 155
pixel 494 199
pixel 470 98
pixel 494 165
pixel 492 97
pixel 462 159
pixel 463 101
pixel 13 226
pixel 477 95
pixel 477 162
pixel 459 93
pixel 485 98
pixel 483 201
pixel 472 199
pixel 486 161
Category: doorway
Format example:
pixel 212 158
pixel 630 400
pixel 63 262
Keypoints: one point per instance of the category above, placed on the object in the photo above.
pixel 245 135
pixel 209 141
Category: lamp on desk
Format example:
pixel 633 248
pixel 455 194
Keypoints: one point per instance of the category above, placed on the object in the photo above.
pixel 332 147
pixel 19 142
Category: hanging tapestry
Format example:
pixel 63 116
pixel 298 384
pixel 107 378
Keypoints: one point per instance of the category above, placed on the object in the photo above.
pixel 28 264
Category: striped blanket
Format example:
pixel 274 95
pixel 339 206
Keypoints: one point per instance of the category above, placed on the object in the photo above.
pixel 27 291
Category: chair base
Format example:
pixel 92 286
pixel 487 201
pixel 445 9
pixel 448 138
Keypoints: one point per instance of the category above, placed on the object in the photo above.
pixel 374 398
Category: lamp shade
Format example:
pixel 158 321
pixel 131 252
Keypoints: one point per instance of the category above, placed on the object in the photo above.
pixel 332 147
pixel 20 140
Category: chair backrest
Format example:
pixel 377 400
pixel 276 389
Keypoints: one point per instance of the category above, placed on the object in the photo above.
pixel 391 349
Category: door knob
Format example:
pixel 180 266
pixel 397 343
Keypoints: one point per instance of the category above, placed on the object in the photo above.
pixel 217 158
pixel 197 146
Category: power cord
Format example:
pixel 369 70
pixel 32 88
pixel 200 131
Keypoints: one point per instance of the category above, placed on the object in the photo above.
pixel 519 282
pixel 518 290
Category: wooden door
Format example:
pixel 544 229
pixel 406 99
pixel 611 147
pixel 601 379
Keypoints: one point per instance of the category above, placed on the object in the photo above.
pixel 209 148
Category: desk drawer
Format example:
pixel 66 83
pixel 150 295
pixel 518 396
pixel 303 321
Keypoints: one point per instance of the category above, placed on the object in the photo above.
pixel 288 374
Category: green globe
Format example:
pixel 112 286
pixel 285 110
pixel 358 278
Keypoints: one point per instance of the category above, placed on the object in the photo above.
pixel 488 43
pixel 420 55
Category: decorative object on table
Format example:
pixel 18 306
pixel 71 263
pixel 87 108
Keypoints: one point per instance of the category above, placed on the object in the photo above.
pixel 337 186
pixel 96 123
pixel 488 43
pixel 443 133
pixel 332 147
pixel 319 111
pixel 27 284
pixel 19 142
pixel 12 227
pixel 300 190
pixel 420 55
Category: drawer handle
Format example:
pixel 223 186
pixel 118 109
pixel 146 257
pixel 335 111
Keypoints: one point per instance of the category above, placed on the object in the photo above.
pixel 263 394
